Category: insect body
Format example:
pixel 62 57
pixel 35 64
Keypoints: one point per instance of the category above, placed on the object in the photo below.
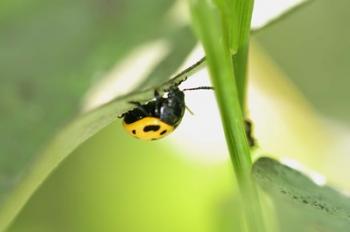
pixel 157 118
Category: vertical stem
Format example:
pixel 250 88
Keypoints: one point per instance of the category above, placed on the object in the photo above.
pixel 245 9
pixel 227 96
pixel 222 72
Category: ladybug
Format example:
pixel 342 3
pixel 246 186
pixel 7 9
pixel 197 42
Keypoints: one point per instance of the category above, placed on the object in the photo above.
pixel 159 117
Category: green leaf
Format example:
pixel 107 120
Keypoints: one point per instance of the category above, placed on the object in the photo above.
pixel 51 53
pixel 75 133
pixel 301 204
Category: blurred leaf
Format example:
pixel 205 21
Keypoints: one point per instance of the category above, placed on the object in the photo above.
pixel 269 11
pixel 302 205
pixel 311 48
pixel 51 52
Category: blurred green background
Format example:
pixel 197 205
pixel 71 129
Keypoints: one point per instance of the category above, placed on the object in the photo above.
pixel 312 49
pixel 52 52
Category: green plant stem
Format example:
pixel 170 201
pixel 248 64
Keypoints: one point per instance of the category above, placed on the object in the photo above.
pixel 227 97
pixel 222 72
pixel 244 9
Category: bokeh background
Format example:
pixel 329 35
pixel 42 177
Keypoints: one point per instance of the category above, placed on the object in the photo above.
pixel 55 62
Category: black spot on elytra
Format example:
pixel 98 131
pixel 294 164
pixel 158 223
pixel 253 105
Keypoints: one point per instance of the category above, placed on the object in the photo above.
pixel 151 128
pixel 163 132
pixel 134 132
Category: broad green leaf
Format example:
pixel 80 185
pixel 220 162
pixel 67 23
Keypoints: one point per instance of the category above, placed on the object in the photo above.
pixel 302 205
pixel 51 53
pixel 69 138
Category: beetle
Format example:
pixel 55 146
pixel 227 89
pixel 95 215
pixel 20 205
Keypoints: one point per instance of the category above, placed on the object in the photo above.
pixel 159 117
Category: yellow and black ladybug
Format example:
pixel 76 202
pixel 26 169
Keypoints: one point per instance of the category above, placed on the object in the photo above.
pixel 159 117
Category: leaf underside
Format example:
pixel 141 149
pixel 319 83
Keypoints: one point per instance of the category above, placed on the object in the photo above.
pixel 301 204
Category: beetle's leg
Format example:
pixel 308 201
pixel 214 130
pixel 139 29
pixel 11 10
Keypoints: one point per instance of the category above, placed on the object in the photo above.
pixel 189 110
pixel 156 94
pixel 135 103
pixel 180 82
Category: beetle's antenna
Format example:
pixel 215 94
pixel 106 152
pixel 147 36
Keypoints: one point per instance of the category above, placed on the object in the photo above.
pixel 189 110
pixel 199 88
